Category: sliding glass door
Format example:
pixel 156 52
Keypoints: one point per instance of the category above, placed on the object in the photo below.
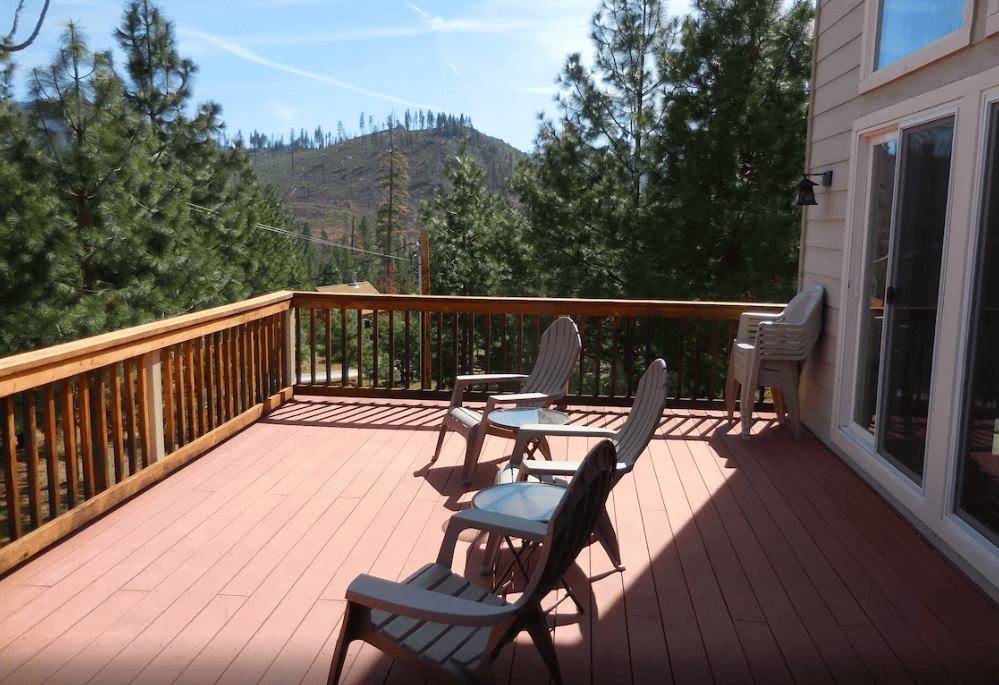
pixel 909 191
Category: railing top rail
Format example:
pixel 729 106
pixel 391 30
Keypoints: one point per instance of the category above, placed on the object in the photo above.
pixel 533 305
pixel 49 364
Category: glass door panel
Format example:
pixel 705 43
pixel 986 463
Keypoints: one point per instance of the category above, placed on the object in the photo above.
pixel 908 214
pixel 913 292
pixel 883 162
pixel 978 474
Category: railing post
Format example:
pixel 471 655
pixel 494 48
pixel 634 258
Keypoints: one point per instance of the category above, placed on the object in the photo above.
pixel 289 348
pixel 151 370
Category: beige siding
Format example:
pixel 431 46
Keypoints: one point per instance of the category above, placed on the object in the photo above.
pixel 836 105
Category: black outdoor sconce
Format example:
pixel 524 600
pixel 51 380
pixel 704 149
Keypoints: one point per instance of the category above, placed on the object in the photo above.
pixel 805 194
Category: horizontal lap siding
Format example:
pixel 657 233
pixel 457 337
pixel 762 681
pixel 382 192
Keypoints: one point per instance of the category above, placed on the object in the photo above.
pixel 839 29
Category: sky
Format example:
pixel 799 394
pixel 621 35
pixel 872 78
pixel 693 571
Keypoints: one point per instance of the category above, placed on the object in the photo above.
pixel 277 65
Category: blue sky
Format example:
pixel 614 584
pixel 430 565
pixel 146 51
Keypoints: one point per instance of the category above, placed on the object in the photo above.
pixel 275 65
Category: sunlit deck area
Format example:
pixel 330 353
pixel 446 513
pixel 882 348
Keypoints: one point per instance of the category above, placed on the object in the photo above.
pixel 762 561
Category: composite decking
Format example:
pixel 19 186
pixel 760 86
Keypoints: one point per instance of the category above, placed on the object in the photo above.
pixel 762 561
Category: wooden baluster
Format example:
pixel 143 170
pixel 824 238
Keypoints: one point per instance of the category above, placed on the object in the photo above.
pixel 52 451
pixel 440 350
pixel 713 354
pixel 298 346
pixel 247 367
pixel 504 359
pixel 168 401
pixel 598 370
pixel 214 389
pixel 696 378
pixel 69 443
pixel 407 365
pixel 391 348
pixel 582 355
pixel 615 348
pixel 312 344
pixel 181 368
pixel 230 375
pixel 31 452
pixel 360 346
pixel 374 348
pixel 344 364
pixel 648 342
pixel 535 335
pixel 488 346
pixel 132 443
pixel 201 389
pixel 520 343
pixel 329 346
pixel 256 369
pixel 470 342
pixel 117 425
pixel 86 436
pixel 682 357
pixel 454 343
pixel 11 471
pixel 631 357
pixel 98 410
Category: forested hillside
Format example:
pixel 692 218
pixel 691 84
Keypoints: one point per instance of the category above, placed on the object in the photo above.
pixel 333 184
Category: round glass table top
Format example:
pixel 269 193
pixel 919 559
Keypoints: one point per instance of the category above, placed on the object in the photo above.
pixel 521 416
pixel 533 501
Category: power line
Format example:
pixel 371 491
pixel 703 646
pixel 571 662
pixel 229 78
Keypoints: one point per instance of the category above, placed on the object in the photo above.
pixel 308 238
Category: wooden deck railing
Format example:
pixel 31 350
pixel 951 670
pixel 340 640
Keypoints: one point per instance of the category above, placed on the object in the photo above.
pixel 415 346
pixel 85 425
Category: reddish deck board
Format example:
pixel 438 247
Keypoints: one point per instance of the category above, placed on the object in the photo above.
pixel 764 561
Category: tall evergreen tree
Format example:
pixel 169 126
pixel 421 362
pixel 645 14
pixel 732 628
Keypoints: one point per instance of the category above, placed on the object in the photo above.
pixel 392 210
pixel 476 245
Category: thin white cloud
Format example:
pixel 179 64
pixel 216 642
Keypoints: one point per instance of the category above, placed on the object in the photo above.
pixel 454 69
pixel 238 50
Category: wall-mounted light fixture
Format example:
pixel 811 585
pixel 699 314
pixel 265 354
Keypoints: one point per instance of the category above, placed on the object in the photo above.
pixel 805 194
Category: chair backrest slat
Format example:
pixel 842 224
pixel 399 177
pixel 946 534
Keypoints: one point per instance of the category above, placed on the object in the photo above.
pixel 645 414
pixel 557 354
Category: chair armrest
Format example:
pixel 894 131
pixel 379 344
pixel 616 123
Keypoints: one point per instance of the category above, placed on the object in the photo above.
pixel 488 522
pixel 749 322
pixel 539 467
pixel 426 605
pixel 531 431
pixel 515 399
pixel 462 382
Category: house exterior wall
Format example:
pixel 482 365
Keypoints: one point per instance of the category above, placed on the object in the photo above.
pixel 847 102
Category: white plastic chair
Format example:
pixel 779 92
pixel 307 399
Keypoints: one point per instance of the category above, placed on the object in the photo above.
pixel 767 351
pixel 439 621
pixel 630 439
pixel 548 381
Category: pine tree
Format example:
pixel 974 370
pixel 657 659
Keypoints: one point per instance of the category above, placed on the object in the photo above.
pixel 476 243
pixel 394 181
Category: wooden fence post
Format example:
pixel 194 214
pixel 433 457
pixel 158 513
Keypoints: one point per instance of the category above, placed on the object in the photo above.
pixel 289 347
pixel 151 372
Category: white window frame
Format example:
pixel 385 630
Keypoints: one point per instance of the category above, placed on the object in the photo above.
pixel 933 504
pixel 941 47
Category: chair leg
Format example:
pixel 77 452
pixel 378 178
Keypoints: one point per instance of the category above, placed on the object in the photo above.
pixel 491 553
pixel 537 628
pixel 349 631
pixel 607 538
pixel 780 407
pixel 473 446
pixel 440 442
pixel 793 407
pixel 731 388
pixel 746 408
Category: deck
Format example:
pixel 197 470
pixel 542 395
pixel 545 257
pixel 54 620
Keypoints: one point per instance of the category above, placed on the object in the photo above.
pixel 764 561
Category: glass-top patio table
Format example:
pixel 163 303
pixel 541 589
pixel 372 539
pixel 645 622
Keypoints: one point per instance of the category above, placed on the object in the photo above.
pixel 518 417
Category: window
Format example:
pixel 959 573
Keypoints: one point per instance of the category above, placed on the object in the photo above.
pixel 901 36
pixel 905 26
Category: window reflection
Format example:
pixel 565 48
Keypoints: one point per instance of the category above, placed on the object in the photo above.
pixel 905 26
pixel 978 486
